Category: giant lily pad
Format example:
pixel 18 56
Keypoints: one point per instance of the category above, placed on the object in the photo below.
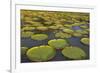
pixel 39 36
pixel 74 53
pixel 58 43
pixel 41 53
pixel 85 41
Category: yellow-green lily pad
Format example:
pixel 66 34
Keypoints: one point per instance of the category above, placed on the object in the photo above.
pixel 41 53
pixel 39 36
pixel 58 43
pixel 74 53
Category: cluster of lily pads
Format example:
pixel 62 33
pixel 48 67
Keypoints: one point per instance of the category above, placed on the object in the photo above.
pixel 63 25
pixel 48 52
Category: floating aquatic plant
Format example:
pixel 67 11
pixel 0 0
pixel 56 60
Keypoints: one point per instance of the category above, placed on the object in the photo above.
pixel 39 36
pixel 74 53
pixel 76 34
pixel 23 51
pixel 62 35
pixel 85 41
pixel 42 28
pixel 26 34
pixel 41 53
pixel 53 27
pixel 28 28
pixel 58 43
pixel 84 26
pixel 68 31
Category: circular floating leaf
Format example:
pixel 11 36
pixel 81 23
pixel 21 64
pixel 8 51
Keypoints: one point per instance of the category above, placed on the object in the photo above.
pixel 68 31
pixel 58 43
pixel 85 41
pixel 26 34
pixel 41 53
pixel 42 28
pixel 28 28
pixel 23 51
pixel 76 34
pixel 62 35
pixel 74 53
pixel 39 36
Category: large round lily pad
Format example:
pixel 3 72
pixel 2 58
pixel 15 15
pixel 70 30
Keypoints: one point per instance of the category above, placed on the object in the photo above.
pixel 41 53
pixel 74 53
pixel 85 41
pixel 39 36
pixel 58 43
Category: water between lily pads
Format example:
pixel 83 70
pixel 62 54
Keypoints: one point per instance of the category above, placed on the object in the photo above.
pixel 74 41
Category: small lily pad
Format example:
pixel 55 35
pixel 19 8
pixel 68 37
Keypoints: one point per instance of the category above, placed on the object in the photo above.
pixel 85 41
pixel 58 43
pixel 41 53
pixel 62 35
pixel 74 53
pixel 42 28
pixel 23 51
pixel 28 28
pixel 26 34
pixel 39 36
pixel 68 31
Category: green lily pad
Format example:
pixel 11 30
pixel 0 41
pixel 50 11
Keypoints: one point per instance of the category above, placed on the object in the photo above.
pixel 85 41
pixel 42 28
pixel 23 51
pixel 76 34
pixel 58 43
pixel 39 36
pixel 62 35
pixel 26 34
pixel 68 31
pixel 74 53
pixel 41 53
pixel 28 28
